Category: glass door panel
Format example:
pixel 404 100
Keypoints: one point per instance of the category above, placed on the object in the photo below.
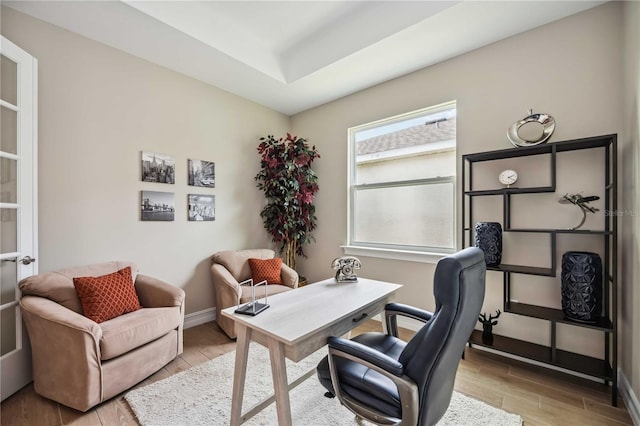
pixel 8 275
pixel 9 341
pixel 9 81
pixel 8 183
pixel 9 130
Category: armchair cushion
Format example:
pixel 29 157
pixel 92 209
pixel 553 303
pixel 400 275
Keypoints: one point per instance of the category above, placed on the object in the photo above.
pixel 107 296
pixel 130 331
pixel 266 270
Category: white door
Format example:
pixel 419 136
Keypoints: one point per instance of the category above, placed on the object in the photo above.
pixel 18 214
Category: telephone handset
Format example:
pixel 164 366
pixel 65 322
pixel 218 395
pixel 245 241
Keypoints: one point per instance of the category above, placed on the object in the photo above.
pixel 345 266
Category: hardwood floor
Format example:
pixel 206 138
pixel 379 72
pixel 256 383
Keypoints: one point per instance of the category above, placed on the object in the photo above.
pixel 540 396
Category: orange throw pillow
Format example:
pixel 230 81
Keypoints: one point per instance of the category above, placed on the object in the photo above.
pixel 267 269
pixel 107 296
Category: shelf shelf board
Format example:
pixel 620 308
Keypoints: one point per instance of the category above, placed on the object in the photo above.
pixel 530 270
pixel 560 231
pixel 551 314
pixel 500 191
pixel 571 145
pixel 590 366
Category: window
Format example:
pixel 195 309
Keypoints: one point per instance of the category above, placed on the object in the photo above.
pixel 402 183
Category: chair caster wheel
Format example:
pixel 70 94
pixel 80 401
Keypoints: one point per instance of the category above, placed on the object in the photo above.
pixel 329 395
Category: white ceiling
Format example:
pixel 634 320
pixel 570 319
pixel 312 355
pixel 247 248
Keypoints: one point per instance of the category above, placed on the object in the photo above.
pixel 294 55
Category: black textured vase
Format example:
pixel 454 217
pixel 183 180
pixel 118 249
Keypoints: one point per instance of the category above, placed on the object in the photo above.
pixel 489 239
pixel 582 286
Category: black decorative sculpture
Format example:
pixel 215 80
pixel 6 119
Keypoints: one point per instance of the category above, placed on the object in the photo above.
pixel 487 326
pixel 581 202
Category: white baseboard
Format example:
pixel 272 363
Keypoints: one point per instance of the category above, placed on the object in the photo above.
pixel 629 397
pixel 196 318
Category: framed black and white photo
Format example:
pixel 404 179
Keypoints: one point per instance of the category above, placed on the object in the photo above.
pixel 202 207
pixel 158 168
pixel 202 173
pixel 158 206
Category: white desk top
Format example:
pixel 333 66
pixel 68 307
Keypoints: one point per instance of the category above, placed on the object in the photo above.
pixel 295 315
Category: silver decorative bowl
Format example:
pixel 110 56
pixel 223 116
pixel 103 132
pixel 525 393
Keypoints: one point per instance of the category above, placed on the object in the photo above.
pixel 532 130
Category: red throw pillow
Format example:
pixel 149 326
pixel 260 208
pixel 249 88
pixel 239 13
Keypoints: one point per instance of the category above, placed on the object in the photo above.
pixel 267 269
pixel 107 296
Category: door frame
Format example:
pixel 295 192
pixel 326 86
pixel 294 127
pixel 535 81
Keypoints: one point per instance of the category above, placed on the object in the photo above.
pixel 16 365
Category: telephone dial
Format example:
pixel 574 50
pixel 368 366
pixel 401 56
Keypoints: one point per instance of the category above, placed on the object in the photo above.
pixel 345 267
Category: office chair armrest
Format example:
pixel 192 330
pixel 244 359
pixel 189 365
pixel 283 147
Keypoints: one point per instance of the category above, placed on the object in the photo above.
pixel 360 351
pixel 392 310
pixel 383 364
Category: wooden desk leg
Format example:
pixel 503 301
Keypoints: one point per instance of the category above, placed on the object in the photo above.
pixel 384 323
pixel 280 384
pixel 239 372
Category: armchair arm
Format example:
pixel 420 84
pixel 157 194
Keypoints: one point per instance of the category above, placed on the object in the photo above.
pixel 362 352
pixel 226 286
pixel 289 276
pixel 393 310
pixel 154 293
pixel 61 338
pixel 50 311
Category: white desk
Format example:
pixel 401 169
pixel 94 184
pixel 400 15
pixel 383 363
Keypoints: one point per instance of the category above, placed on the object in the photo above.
pixel 296 325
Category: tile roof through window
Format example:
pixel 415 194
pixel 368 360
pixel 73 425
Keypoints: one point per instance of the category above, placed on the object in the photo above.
pixel 409 137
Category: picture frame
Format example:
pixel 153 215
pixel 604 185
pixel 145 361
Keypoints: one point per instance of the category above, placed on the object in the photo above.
pixel 201 173
pixel 202 207
pixel 159 168
pixel 157 206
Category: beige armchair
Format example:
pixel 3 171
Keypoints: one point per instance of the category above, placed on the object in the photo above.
pixel 231 268
pixel 80 363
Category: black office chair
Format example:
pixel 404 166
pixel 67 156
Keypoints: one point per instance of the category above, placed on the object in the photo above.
pixel 387 381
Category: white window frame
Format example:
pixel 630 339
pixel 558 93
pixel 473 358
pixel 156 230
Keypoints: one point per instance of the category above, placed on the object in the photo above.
pixel 391 251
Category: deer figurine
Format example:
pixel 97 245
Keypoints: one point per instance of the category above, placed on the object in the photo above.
pixel 487 326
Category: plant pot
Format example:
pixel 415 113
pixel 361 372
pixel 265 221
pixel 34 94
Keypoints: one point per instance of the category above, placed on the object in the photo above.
pixel 488 237
pixel 582 286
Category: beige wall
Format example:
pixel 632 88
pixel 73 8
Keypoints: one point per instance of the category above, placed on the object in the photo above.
pixel 571 69
pixel 630 224
pixel 98 108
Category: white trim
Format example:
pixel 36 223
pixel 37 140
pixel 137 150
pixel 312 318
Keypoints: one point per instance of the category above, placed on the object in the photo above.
pixel 406 255
pixel 629 397
pixel 196 318
pixel 9 156
pixel 8 105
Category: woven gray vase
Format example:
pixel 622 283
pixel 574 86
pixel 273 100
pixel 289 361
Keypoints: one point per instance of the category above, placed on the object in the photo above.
pixel 582 286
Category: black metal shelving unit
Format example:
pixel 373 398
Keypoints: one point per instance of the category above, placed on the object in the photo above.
pixel 605 368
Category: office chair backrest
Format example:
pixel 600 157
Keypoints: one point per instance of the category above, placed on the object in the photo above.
pixel 431 357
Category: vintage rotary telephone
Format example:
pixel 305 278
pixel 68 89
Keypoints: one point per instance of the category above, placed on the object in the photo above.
pixel 345 266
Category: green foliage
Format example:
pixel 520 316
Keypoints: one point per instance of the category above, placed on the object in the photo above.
pixel 290 185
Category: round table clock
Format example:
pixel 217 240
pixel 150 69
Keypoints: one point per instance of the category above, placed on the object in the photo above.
pixel 508 177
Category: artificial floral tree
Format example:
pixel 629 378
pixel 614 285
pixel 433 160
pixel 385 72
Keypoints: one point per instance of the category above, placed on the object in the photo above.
pixel 289 184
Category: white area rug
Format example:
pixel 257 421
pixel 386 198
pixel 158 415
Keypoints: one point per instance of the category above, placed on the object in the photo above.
pixel 202 396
